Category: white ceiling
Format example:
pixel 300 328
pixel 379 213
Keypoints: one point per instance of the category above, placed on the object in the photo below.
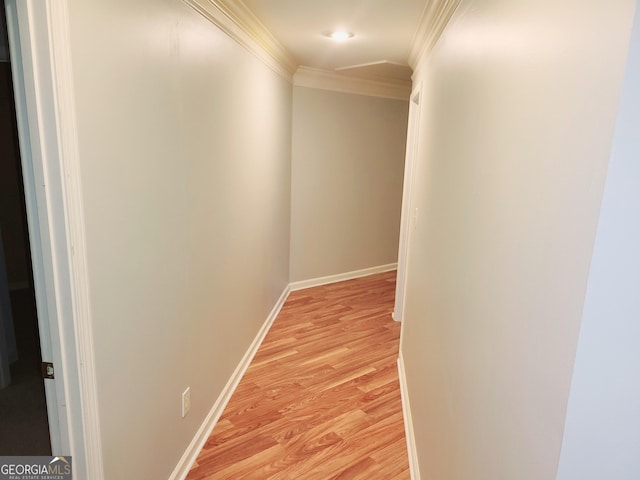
pixel 383 31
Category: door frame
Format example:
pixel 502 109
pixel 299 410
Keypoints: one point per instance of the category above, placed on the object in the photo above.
pixel 40 52
pixel 408 215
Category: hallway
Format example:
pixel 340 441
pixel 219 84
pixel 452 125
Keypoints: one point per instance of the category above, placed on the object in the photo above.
pixel 188 180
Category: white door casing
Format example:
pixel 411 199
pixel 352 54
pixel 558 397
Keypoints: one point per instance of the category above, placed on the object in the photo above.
pixel 408 216
pixel 43 85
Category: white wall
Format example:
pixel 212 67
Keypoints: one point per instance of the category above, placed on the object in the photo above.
pixel 185 141
pixel 346 193
pixel 518 112
pixel 602 433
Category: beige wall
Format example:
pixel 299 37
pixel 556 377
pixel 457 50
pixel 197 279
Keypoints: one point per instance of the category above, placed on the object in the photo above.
pixel 185 142
pixel 518 111
pixel 347 168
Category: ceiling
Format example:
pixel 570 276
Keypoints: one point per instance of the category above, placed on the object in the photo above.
pixel 383 31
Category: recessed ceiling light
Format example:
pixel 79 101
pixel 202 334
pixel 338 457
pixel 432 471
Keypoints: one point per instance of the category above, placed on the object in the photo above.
pixel 339 36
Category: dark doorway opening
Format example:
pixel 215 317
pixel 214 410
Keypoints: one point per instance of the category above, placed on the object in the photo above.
pixel 24 426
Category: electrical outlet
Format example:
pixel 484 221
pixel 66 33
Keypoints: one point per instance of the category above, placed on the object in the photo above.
pixel 186 401
pixel 414 220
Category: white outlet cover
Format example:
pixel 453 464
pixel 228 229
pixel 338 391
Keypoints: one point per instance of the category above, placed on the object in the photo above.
pixel 186 401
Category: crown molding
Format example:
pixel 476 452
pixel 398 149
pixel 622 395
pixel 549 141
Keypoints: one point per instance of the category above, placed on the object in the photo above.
pixel 435 18
pixel 329 80
pixel 235 19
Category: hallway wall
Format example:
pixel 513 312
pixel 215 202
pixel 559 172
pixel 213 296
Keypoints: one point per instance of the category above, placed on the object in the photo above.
pixel 185 141
pixel 602 430
pixel 346 192
pixel 519 101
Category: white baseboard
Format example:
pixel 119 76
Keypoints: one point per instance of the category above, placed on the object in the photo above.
pixel 408 423
pixel 203 433
pixel 341 277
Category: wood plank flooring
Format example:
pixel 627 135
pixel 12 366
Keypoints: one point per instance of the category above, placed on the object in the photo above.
pixel 321 398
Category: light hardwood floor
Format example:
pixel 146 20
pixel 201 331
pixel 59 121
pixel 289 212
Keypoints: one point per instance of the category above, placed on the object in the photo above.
pixel 321 398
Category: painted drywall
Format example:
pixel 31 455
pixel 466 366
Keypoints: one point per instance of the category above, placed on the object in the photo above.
pixel 346 190
pixel 185 145
pixel 519 101
pixel 602 433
